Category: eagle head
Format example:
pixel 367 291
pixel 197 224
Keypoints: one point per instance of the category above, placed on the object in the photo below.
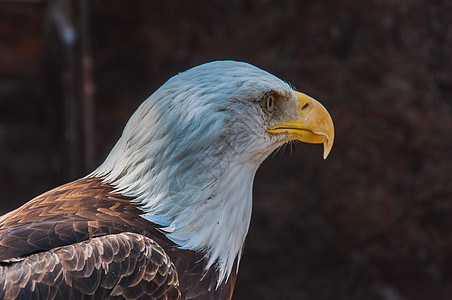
pixel 189 153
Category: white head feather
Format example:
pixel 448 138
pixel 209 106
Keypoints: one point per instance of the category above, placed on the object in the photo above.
pixel 190 152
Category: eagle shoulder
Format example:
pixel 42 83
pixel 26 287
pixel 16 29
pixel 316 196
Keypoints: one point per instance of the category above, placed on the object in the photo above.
pixel 83 211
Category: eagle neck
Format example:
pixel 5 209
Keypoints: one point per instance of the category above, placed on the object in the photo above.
pixel 203 200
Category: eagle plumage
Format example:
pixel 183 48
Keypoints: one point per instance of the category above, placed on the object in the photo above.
pixel 166 215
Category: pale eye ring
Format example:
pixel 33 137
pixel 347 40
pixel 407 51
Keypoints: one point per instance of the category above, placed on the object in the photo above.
pixel 269 103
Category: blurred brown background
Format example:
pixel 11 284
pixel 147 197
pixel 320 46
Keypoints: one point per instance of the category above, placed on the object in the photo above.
pixel 373 221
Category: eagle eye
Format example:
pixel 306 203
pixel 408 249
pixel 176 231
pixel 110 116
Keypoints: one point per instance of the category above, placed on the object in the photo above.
pixel 268 103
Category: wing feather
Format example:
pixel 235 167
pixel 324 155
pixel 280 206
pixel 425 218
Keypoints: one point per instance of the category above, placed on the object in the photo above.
pixel 111 265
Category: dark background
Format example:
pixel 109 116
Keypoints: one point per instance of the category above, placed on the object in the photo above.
pixel 373 221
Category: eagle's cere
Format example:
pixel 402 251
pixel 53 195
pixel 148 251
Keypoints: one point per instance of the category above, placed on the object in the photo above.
pixel 174 196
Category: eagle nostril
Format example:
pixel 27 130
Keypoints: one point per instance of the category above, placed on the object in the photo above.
pixel 305 106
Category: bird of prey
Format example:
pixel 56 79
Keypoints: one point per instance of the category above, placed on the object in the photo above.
pixel 166 214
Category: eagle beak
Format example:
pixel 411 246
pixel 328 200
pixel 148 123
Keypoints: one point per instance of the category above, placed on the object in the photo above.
pixel 314 126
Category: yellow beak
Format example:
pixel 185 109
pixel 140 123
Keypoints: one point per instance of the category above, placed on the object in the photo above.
pixel 314 126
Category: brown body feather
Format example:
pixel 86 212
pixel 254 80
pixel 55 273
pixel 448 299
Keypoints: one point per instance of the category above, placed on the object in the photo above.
pixel 43 245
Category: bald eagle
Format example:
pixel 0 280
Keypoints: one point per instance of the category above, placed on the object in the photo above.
pixel 165 216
